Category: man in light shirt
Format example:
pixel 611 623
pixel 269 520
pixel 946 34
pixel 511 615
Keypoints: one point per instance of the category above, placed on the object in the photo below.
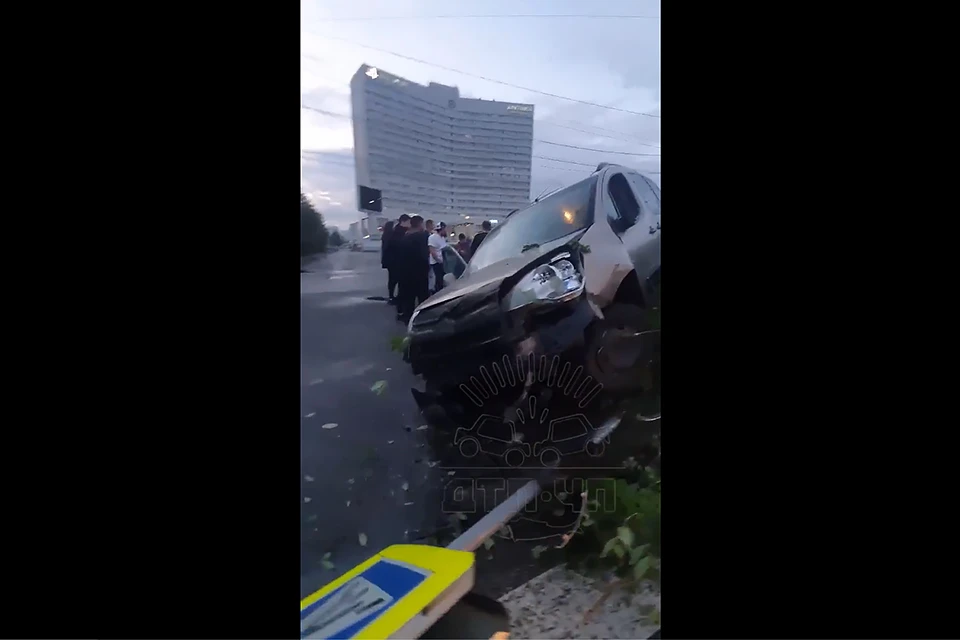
pixel 436 242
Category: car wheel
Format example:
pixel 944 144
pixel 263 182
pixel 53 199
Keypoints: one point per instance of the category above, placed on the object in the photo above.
pixel 618 358
pixel 550 457
pixel 469 447
pixel 514 457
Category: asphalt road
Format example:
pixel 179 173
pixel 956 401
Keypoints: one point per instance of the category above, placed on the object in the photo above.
pixel 372 475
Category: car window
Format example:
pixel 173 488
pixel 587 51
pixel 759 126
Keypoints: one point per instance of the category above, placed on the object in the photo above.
pixel 650 200
pixel 452 262
pixel 624 201
pixel 568 429
pixel 495 430
pixel 556 216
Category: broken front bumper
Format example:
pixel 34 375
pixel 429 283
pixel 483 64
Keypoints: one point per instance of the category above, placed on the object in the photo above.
pixel 441 345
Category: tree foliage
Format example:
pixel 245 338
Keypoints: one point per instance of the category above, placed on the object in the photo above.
pixel 336 239
pixel 313 233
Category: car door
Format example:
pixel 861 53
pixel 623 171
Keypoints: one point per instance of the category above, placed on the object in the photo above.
pixel 649 197
pixel 634 223
pixel 453 262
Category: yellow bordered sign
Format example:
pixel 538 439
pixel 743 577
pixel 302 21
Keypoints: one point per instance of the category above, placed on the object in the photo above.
pixel 398 593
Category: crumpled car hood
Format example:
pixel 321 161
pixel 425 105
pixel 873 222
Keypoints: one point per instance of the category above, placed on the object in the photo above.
pixel 496 272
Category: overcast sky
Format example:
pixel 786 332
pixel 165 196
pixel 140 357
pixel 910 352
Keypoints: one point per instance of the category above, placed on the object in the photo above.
pixel 613 62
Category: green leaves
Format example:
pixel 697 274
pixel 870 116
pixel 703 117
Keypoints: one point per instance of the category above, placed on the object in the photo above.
pixel 654 617
pixel 640 567
pixel 612 543
pixel 379 387
pixel 638 552
pixel 325 562
pixel 626 536
pixel 399 343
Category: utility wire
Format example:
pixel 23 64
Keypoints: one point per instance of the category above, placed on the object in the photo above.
pixel 558 144
pixel 546 166
pixel 326 153
pixel 619 153
pixel 582 164
pixel 326 113
pixel 474 75
pixel 620 135
pixel 588 16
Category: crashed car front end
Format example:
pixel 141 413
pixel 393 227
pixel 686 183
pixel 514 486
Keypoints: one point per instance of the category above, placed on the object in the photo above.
pixel 541 311
pixel 512 349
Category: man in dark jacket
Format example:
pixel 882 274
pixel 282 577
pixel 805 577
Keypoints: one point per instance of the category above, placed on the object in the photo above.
pixel 477 239
pixel 413 262
pixel 391 242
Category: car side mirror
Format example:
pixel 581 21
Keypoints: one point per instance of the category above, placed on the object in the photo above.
pixel 449 279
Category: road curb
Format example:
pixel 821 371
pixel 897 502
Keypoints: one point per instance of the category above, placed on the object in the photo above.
pixel 555 605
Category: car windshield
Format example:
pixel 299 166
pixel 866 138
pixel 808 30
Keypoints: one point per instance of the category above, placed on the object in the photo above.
pixel 555 216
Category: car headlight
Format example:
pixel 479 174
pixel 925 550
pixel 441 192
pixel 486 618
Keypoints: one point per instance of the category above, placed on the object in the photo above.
pixel 558 281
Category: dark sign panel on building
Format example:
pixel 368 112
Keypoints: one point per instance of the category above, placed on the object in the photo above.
pixel 370 199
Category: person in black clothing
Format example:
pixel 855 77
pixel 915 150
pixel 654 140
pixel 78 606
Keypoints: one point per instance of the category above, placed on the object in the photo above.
pixel 477 239
pixel 385 256
pixel 391 241
pixel 413 258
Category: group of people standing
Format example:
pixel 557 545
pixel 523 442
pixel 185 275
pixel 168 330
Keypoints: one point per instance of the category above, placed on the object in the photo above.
pixel 410 249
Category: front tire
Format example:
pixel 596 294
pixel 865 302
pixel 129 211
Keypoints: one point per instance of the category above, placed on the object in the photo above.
pixel 619 362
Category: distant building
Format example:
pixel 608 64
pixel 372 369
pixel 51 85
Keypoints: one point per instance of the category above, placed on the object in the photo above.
pixel 371 228
pixel 433 153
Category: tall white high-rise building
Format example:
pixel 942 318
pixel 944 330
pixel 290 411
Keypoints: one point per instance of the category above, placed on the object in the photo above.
pixel 433 153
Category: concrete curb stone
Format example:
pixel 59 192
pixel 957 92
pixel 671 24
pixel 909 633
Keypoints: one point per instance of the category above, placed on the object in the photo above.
pixel 553 605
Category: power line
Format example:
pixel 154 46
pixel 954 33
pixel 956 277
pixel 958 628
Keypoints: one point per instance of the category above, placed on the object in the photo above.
pixel 554 124
pixel 620 135
pixel 619 153
pixel 326 153
pixel 545 166
pixel 588 16
pixel 326 113
pixel 558 144
pixel 592 126
pixel 494 80
pixel 583 164
pixel 599 135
